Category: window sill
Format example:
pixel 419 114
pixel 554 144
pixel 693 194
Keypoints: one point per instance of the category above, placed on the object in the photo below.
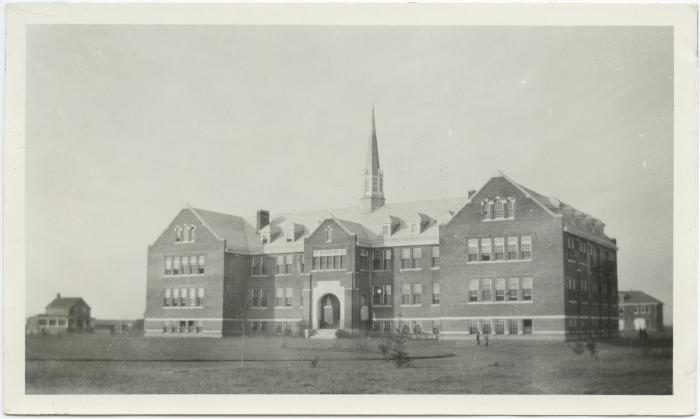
pixel 260 276
pixel 410 269
pixel 382 306
pixel 330 270
pixel 283 307
pixel 498 261
pixel 435 268
pixel 500 302
pixel 180 275
pixel 289 274
pixel 411 305
pixel 259 308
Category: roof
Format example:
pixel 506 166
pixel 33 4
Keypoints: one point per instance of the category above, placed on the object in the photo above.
pixel 64 303
pixel 636 297
pixel 227 227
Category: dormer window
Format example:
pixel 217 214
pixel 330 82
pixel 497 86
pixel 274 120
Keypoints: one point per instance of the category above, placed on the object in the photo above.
pixel 385 230
pixel 289 236
pixel 415 227
pixel 265 237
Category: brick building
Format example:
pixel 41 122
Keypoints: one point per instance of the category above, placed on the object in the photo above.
pixel 639 310
pixel 504 260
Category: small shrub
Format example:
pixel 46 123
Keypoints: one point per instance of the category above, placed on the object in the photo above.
pixel 394 350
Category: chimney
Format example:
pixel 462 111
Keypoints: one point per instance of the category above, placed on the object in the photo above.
pixel 58 295
pixel 262 219
pixel 471 193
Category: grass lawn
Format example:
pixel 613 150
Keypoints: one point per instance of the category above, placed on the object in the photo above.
pixel 111 365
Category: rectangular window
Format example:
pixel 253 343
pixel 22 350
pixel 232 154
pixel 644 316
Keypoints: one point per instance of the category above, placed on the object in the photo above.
pixel 183 297
pixel 406 294
pixel 194 265
pixel 500 289
pixel 301 297
pixel 416 294
pixel 288 297
pixel 473 246
pixel 435 259
pixel 485 290
pixel 387 294
pixel 527 327
pixel 388 259
pixel 486 327
pixel 416 263
pixel 473 290
pixel 289 259
pixel 200 297
pixel 377 260
pixel 255 297
pixel 168 266
pixel 436 293
pixel 176 297
pixel 176 265
pixel 279 297
pixel 526 247
pixel 193 296
pixel 500 327
pixel 513 289
pixel 473 327
pixel 512 327
pixel 405 258
pixel 385 230
pixel 364 259
pixel 485 249
pixel 500 209
pixel 167 298
pixel 486 207
pixel 377 295
pixel 510 209
pixel 263 297
pixel 512 248
pixel 498 248
pixel 279 265
pixel 527 289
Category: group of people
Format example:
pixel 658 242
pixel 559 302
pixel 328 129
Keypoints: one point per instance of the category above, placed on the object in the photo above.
pixel 478 339
pixel 643 337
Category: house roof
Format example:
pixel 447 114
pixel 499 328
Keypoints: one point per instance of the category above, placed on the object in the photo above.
pixel 636 297
pixel 64 303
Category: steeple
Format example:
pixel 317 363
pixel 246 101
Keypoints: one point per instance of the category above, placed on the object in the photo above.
pixel 373 191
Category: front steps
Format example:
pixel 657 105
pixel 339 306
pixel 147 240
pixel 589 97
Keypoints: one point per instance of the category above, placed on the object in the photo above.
pixel 323 334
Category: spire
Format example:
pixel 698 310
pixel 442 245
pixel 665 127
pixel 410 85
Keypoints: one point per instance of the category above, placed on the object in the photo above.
pixel 373 191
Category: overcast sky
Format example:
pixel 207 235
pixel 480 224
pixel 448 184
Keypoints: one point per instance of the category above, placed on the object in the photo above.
pixel 125 124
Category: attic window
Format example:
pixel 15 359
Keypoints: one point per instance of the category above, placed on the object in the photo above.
pixel 385 230
pixel 190 233
pixel 498 209
pixel 415 227
pixel 289 235
pixel 329 234
pixel 184 233
pixel 265 237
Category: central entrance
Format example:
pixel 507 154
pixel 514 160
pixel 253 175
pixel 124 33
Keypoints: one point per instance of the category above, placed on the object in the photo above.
pixel 329 312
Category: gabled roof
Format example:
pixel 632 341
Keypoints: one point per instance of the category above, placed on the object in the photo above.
pixel 636 297
pixel 224 227
pixel 64 303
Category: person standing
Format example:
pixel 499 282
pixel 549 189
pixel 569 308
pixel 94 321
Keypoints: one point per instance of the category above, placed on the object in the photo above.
pixel 478 339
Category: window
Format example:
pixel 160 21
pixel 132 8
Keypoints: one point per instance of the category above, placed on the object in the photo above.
pixel 194 267
pixel 527 289
pixel 510 209
pixel 570 248
pixel 498 248
pixel 405 258
pixel 167 298
pixel 513 289
pixel 406 294
pixel 473 250
pixel 473 327
pixel 416 261
pixel 526 247
pixel 289 235
pixel 301 297
pixel 485 290
pixel 500 326
pixel 200 260
pixel 381 295
pixel 263 297
pixel 416 294
pixel 486 209
pixel 328 260
pixel 388 259
pixel 512 248
pixel 512 327
pixel 385 230
pixel 329 234
pixel 279 297
pixel 500 289
pixel 436 293
pixel 168 266
pixel 527 327
pixel 485 327
pixel 265 238
pixel 200 297
pixel 288 297
pixel 473 290
pixel 190 233
pixel 280 264
pixel 500 209
pixel 193 297
pixel 377 260
pixel 176 297
pixel 258 266
pixel 364 259
pixel 176 266
pixel 179 234
pixel 485 249
pixel 435 259
pixel 289 259
pixel 183 297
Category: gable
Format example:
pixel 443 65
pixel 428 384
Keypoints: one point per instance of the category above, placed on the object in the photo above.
pixel 338 232
pixel 185 218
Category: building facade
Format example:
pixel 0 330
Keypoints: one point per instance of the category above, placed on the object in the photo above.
pixel 62 315
pixel 640 311
pixel 503 260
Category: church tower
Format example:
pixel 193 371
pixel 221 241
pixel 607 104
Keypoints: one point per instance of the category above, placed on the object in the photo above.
pixel 373 191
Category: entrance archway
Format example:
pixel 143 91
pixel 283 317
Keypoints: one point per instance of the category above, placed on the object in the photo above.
pixel 328 312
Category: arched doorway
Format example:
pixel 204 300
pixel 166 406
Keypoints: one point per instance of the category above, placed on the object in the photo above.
pixel 329 312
